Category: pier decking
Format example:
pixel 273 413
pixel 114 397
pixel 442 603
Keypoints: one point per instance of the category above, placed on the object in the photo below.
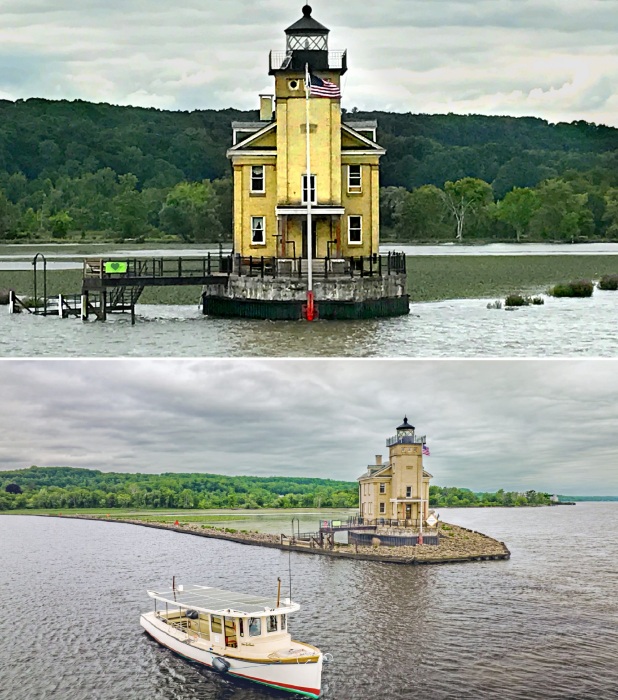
pixel 231 285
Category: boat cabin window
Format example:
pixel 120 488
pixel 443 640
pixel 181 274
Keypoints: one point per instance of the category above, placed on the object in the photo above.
pixel 255 626
pixel 284 621
pixel 215 624
pixel 271 623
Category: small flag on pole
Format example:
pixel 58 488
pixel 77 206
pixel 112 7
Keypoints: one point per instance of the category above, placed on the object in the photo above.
pixel 426 450
pixel 319 87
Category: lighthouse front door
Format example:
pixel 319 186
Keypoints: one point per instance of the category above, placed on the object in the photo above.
pixel 314 239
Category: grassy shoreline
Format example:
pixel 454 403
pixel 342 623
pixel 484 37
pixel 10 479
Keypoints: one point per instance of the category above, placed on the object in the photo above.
pixel 430 278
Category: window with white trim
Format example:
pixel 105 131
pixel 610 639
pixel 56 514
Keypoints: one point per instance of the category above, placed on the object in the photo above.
pixel 258 183
pixel 258 233
pixel 408 492
pixel 355 182
pixel 382 488
pixel 355 230
pixel 314 199
pixel 382 507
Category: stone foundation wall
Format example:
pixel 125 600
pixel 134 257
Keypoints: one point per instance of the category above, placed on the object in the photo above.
pixel 344 289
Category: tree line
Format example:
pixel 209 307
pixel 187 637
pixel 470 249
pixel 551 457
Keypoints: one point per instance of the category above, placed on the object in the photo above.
pixel 83 171
pixel 453 497
pixel 68 487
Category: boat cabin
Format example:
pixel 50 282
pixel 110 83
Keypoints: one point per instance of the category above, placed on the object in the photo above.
pixel 225 621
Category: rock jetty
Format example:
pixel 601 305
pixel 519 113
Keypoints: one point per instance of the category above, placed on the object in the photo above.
pixel 456 544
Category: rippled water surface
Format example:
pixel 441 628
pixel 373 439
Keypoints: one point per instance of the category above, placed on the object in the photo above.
pixel 544 624
pixel 454 328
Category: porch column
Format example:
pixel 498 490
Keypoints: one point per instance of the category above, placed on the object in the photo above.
pixel 280 241
pixel 338 236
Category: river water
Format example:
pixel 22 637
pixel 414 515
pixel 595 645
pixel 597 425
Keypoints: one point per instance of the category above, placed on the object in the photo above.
pixel 543 624
pixel 451 328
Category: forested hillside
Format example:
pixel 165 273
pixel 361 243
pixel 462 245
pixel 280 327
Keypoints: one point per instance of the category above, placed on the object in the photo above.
pixel 66 487
pixel 77 170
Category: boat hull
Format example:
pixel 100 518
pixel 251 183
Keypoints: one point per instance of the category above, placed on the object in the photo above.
pixel 300 678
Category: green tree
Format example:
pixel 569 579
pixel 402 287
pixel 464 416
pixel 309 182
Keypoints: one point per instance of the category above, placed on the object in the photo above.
pixel 517 209
pixel 191 211
pixel 60 224
pixel 562 214
pixel 424 215
pixel 464 196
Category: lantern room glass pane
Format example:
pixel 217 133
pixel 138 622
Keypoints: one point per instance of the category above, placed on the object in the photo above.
pixel 307 43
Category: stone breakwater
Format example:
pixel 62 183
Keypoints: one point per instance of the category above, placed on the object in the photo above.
pixel 456 544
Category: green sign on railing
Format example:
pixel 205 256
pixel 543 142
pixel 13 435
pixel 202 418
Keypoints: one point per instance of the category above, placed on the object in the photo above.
pixel 115 267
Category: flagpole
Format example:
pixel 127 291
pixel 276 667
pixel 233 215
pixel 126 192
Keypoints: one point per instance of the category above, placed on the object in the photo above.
pixel 310 305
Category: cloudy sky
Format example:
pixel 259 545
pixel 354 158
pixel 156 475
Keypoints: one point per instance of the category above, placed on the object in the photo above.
pixel 554 59
pixel 551 426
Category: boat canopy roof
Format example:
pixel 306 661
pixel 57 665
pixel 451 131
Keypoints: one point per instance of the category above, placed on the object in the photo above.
pixel 221 602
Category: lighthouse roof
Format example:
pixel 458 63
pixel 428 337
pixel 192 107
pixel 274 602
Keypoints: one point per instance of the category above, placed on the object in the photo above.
pixel 307 25
pixel 405 425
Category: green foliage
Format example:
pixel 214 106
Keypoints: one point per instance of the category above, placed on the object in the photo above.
pixel 111 169
pixel 609 282
pixel 579 288
pixel 65 487
pixel 464 198
pixel 517 209
pixel 192 212
pixel 520 300
pixel 516 300
pixel 442 497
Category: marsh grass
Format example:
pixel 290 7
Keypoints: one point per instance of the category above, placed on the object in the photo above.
pixel 576 289
pixel 608 282
pixel 516 300
pixel 430 278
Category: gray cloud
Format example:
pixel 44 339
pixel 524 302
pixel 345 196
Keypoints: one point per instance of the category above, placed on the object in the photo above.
pixel 490 424
pixel 539 57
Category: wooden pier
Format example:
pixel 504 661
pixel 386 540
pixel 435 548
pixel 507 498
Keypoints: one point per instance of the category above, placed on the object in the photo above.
pixel 227 281
pixel 115 286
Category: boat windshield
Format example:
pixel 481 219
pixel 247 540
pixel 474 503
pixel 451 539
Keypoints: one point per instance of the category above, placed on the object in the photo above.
pixel 255 626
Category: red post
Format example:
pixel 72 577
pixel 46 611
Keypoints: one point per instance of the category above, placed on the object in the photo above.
pixel 310 307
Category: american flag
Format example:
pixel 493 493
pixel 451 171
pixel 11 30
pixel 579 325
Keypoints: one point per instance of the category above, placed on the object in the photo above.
pixel 323 88
pixel 426 450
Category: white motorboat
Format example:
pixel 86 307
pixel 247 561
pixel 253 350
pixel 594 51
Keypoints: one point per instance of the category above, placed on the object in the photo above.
pixel 236 634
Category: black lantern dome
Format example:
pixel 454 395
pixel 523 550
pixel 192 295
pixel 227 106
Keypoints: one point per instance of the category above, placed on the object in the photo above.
pixel 307 44
pixel 307 34
pixel 405 427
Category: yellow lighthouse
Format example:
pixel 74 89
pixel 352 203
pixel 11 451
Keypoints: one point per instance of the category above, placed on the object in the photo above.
pixel 271 183
pixel 397 491
pixel 306 199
